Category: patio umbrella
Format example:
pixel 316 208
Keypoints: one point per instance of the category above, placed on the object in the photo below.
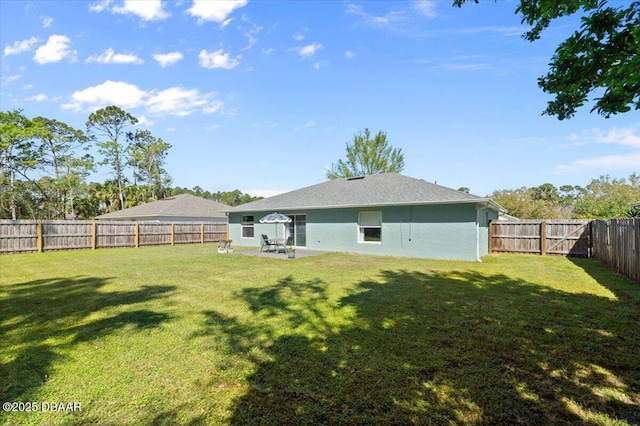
pixel 275 218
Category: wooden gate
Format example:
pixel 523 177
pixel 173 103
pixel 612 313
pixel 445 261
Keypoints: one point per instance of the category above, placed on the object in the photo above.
pixel 557 237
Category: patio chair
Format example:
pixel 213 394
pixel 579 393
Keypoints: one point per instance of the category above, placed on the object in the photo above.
pixel 265 243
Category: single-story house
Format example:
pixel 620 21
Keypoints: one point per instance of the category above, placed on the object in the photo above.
pixel 384 214
pixel 177 208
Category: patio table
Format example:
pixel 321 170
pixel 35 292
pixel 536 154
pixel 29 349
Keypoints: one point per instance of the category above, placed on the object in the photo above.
pixel 278 242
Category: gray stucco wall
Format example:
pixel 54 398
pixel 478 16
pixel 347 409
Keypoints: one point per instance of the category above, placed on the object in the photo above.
pixel 427 231
pixel 484 217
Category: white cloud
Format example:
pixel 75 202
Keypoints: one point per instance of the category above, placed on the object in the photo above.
pixel 615 162
pixel 38 98
pixel 20 46
pixel 176 101
pixel 55 50
pixel 426 8
pixel 166 59
pixel 268 51
pixel 110 92
pixel 13 77
pixel 145 122
pixel 216 11
pixel 148 10
pixel 307 125
pixel 252 35
pixel 213 107
pixel 172 101
pixel 349 54
pixel 298 37
pixel 393 17
pixel 505 31
pixel 309 49
pixel 625 136
pixel 41 97
pixel 407 18
pixel 46 21
pixel 457 63
pixel 217 59
pixel 99 6
pixel 110 57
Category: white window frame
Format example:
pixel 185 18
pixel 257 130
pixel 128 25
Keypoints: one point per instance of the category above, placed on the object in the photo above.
pixel 247 224
pixel 368 220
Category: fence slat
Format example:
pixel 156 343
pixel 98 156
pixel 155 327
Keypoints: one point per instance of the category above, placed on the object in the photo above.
pixel 616 243
pixel 30 235
pixel 559 237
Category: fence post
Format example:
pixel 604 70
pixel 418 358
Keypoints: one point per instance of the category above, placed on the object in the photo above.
pixel 136 235
pixel 94 235
pixel 39 236
pixel 172 237
pixel 202 233
pixel 543 238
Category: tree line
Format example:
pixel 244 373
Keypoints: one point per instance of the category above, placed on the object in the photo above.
pixel 602 198
pixel 45 165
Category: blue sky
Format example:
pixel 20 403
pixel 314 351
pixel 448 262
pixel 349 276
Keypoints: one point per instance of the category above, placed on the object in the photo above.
pixel 263 96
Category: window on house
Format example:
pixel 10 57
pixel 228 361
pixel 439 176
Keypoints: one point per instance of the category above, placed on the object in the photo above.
pixel 370 227
pixel 247 226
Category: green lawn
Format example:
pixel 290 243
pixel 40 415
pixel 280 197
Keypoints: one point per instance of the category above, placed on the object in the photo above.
pixel 184 335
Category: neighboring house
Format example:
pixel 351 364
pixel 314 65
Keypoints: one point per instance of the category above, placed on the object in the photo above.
pixel 177 208
pixel 385 214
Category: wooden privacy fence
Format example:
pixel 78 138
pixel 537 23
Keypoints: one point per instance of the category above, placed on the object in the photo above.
pixel 559 237
pixel 30 235
pixel 616 243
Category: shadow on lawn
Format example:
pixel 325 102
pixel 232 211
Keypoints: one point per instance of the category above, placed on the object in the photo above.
pixel 604 276
pixel 40 319
pixel 435 348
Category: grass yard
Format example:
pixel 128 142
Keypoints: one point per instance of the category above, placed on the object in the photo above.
pixel 184 335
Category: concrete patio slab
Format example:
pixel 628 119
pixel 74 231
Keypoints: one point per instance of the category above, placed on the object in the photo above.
pixel 300 253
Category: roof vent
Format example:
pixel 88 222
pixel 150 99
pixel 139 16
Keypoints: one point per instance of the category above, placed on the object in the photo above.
pixel 355 178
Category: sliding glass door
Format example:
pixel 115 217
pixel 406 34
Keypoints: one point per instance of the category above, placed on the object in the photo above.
pixel 298 229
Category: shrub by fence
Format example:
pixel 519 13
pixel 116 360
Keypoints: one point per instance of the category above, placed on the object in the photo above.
pixel 29 236
pixel 616 243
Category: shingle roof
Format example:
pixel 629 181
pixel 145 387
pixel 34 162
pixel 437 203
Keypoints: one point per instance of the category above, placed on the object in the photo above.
pixel 182 205
pixel 372 190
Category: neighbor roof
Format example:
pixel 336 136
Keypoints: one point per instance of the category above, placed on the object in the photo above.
pixel 182 205
pixel 372 190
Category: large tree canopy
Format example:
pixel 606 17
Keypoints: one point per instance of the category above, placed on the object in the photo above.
pixel 599 62
pixel 366 156
pixel 110 123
